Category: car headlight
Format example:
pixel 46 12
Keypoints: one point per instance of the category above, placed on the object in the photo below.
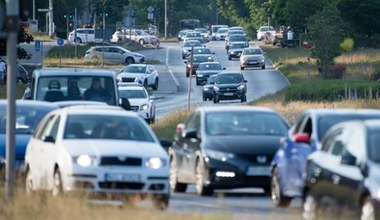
pixel 155 163
pixel 219 155
pixel 205 89
pixel 241 87
pixel 189 65
pixel 185 51
pixel 216 88
pixel 144 107
pixel 85 160
pixel 232 52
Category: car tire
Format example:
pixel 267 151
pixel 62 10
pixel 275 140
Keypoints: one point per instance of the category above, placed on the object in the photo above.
pixel 57 183
pixel 160 202
pixel 197 82
pixel 241 67
pixel 145 84
pixel 244 99
pixel 78 40
pixel 216 99
pixel 141 41
pixel 187 74
pixel 229 58
pixel 174 184
pixel 263 67
pixel 277 197
pixel 155 85
pixel 152 120
pixel 367 209
pixel 204 98
pixel 200 188
pixel 309 207
pixel 129 60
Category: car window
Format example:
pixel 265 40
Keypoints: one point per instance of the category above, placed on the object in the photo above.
pixel 373 145
pixel 228 78
pixel 329 140
pixel 355 145
pixel 45 129
pixel 54 130
pixel 245 123
pixel 133 93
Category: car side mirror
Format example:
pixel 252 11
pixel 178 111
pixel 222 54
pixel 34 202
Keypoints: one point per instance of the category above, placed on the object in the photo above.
pixel 189 134
pixel 224 68
pixel 301 138
pixel 48 139
pixel 27 94
pixel 245 80
pixel 348 159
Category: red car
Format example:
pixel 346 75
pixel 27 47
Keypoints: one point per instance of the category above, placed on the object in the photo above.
pixel 197 59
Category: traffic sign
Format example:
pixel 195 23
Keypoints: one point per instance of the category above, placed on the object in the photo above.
pixel 150 9
pixel 37 45
pixel 60 41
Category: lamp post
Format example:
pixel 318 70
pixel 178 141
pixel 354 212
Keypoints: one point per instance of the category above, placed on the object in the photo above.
pixel 104 27
pixel 166 19
pixel 67 24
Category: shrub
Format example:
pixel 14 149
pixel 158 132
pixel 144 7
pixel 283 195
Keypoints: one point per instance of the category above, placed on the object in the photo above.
pixel 347 45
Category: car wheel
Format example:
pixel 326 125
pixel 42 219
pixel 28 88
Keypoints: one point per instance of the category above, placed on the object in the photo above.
pixel 200 188
pixel 216 99
pixel 204 98
pixel 78 40
pixel 155 86
pixel 145 84
pixel 28 182
pixel 197 82
pixel 309 207
pixel 129 60
pixel 278 199
pixel 187 74
pixel 141 41
pixel 57 183
pixel 263 67
pixel 160 202
pixel 368 210
pixel 241 67
pixel 229 58
pixel 174 184
pixel 153 119
pixel 244 99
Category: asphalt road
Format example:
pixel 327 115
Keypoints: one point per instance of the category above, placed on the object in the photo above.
pixel 172 95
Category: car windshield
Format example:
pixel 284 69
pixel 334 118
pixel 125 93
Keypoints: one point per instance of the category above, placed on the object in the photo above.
pixel 201 30
pixel 245 123
pixel 211 66
pixel 193 34
pixel 134 69
pixel 237 46
pixel 199 59
pixel 253 52
pixel 192 44
pixel 373 145
pixel 326 121
pixel 228 78
pixel 27 118
pixel 132 94
pixel 222 30
pixel 81 126
pixel 237 38
pixel 201 51
pixel 67 88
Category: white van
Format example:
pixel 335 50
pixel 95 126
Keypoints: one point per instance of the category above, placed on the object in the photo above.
pixel 84 35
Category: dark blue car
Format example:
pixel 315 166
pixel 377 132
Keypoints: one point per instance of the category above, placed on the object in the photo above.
pixel 288 165
pixel 28 115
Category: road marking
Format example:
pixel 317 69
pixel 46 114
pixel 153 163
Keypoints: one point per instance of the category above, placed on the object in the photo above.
pixel 170 71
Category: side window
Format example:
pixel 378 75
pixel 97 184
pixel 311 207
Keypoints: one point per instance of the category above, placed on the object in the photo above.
pixel 329 140
pixel 308 127
pixel 356 145
pixel 337 148
pixel 54 129
pixel 299 124
pixel 45 130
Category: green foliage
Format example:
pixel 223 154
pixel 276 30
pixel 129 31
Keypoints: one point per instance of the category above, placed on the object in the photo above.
pixel 328 90
pixel 166 128
pixel 326 34
pixel 68 51
pixel 347 45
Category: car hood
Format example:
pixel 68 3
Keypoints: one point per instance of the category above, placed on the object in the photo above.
pixel 21 143
pixel 208 72
pixel 138 101
pixel 134 75
pixel 236 49
pixel 103 147
pixel 243 144
pixel 137 54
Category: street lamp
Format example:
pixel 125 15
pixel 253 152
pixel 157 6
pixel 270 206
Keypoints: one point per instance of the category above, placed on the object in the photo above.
pixel 67 24
pixel 104 27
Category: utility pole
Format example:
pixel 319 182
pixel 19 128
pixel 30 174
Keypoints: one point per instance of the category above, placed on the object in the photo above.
pixel 51 23
pixel 166 19
pixel 12 23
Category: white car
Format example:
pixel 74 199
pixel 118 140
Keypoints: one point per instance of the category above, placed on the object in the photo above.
pixel 263 31
pixel 139 100
pixel 145 74
pixel 84 35
pixel 114 54
pixel 101 150
pixel 137 35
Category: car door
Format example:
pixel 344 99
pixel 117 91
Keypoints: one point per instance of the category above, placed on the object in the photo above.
pixel 193 150
pixel 348 175
pixel 36 153
pixel 118 55
pixel 150 74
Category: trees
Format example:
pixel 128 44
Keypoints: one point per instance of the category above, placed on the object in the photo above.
pixel 326 32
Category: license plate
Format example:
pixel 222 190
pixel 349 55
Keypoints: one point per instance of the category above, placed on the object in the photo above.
pixel 228 94
pixel 122 177
pixel 252 62
pixel 258 171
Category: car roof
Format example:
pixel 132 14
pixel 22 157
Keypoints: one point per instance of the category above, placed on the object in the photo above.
pixel 63 104
pixel 341 111
pixel 212 62
pixel 73 72
pixel 25 102
pixel 235 108
pixel 229 72
pixel 96 110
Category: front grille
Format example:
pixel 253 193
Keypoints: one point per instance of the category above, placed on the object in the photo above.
pixel 121 161
pixel 258 158
pixel 228 89
pixel 134 108
pixel 127 79
pixel 121 185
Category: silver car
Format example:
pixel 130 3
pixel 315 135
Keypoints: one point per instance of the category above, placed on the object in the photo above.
pixel 252 57
pixel 114 54
pixel 144 74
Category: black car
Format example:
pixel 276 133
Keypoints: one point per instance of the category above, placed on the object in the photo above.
pixel 205 70
pixel 343 178
pixel 208 88
pixel 230 85
pixel 225 148
pixel 235 50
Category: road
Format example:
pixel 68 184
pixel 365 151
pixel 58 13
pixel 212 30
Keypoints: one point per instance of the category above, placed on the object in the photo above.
pixel 172 95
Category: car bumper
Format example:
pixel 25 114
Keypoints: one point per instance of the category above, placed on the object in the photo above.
pixel 222 175
pixel 252 64
pixel 145 114
pixel 234 55
pixel 230 95
pixel 117 180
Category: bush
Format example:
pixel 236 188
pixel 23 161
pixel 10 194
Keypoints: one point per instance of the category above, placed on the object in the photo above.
pixel 328 90
pixel 347 45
